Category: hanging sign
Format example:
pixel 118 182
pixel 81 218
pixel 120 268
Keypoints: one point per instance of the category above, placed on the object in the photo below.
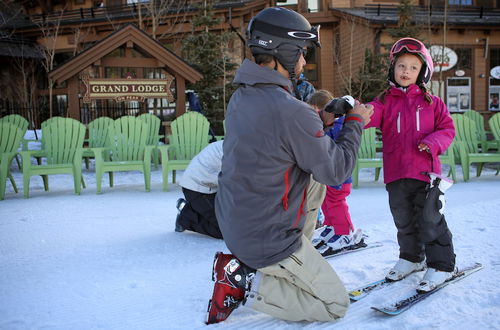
pixel 444 58
pixel 495 72
pixel 128 89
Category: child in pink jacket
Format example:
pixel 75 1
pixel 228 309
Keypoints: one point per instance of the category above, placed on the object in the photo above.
pixel 416 128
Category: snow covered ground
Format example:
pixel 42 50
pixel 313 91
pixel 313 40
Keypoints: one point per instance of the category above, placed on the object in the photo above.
pixel 113 261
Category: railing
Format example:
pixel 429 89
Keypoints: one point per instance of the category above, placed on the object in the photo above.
pixel 120 11
pixel 470 12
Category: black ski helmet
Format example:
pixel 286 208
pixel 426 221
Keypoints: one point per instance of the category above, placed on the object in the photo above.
pixel 282 33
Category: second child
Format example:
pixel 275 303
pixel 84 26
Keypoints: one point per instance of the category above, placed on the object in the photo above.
pixel 338 231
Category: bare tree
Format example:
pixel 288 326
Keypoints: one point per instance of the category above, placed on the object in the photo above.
pixel 162 13
pixel 79 35
pixel 445 18
pixel 345 70
pixel 26 67
pixel 50 29
pixel 8 13
pixel 356 80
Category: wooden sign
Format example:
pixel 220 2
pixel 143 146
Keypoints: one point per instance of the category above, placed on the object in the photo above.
pixel 128 89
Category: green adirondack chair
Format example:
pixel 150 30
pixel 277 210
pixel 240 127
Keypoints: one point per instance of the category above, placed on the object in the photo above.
pixel 37 155
pixel 367 156
pixel 22 123
pixel 448 158
pixel 98 136
pixel 189 137
pixel 154 134
pixel 126 150
pixel 494 123
pixel 10 138
pixel 482 134
pixel 467 145
pixel 62 147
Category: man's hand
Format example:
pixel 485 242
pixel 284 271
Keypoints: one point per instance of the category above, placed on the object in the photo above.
pixel 364 110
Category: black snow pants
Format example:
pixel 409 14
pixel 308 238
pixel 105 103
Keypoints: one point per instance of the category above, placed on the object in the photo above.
pixel 199 213
pixel 417 238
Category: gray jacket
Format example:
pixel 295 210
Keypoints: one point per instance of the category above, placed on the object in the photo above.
pixel 273 142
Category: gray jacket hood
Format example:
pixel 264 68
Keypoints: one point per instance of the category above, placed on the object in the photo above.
pixel 251 74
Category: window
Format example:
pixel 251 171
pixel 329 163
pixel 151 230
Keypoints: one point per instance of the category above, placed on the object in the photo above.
pixel 115 72
pixel 458 94
pixel 494 81
pixel 313 6
pixel 464 61
pixel 494 57
pixel 118 52
pixel 460 2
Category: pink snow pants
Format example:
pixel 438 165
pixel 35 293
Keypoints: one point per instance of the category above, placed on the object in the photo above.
pixel 336 210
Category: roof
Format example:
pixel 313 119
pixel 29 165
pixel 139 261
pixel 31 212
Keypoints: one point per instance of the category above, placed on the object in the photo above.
pixel 129 33
pixel 19 48
pixel 389 15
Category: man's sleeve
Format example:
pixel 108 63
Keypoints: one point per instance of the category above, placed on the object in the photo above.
pixel 328 161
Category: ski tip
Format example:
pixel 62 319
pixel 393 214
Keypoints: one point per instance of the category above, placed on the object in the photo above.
pixel 355 295
pixel 385 310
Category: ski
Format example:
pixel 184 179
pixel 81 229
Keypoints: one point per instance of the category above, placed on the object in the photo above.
pixel 328 252
pixel 365 290
pixel 404 304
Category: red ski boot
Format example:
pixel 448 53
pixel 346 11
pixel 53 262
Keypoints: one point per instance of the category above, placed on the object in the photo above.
pixel 232 278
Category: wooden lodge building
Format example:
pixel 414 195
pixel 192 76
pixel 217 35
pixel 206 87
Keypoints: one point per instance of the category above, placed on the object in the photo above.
pixel 116 57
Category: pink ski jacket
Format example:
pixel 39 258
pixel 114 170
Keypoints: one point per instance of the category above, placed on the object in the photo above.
pixel 406 120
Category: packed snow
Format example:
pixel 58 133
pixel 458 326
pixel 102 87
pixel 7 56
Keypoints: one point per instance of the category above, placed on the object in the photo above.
pixel 114 261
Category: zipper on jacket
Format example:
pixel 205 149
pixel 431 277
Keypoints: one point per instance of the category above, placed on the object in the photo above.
pixel 399 122
pixel 284 198
pixel 418 117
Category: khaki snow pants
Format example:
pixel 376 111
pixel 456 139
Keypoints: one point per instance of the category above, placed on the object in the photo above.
pixel 315 195
pixel 302 287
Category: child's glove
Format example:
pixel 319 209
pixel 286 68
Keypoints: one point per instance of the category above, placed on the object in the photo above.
pixel 424 147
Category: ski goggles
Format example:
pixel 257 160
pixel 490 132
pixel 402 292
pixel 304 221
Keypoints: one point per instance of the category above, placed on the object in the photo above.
pixel 411 45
